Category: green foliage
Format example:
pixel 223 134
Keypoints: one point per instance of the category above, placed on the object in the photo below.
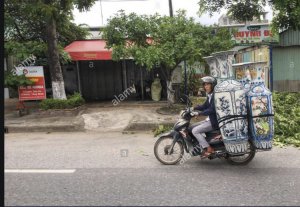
pixel 163 40
pixel 73 101
pixel 14 81
pixel 196 100
pixel 193 82
pixel 25 25
pixel 24 50
pixel 287 118
pixel 286 12
pixel 241 10
pixel 161 129
pixel 43 26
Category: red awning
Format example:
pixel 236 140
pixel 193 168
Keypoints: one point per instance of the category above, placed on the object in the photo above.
pixel 88 50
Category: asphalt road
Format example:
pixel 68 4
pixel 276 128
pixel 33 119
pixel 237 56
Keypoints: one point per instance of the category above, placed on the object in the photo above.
pixel 115 169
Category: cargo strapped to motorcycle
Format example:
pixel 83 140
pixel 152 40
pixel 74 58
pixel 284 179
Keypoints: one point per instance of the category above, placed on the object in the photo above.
pixel 230 118
pixel 239 117
pixel 262 115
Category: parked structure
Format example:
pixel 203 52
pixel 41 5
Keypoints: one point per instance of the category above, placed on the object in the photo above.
pixel 97 77
pixel 286 62
pixel 254 41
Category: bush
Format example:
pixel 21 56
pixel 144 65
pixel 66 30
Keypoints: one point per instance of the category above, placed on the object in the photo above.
pixel 287 118
pixel 161 129
pixel 71 102
pixel 14 81
pixel 198 100
pixel 193 82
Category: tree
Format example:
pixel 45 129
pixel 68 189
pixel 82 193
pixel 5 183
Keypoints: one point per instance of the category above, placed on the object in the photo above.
pixel 46 25
pixel 286 12
pixel 162 40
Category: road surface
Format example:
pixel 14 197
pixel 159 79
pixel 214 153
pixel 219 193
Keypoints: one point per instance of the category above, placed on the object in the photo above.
pixel 120 169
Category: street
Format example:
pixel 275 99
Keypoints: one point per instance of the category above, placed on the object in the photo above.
pixel 89 168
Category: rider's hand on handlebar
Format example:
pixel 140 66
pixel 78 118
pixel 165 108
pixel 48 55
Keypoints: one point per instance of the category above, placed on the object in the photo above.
pixel 191 108
pixel 195 113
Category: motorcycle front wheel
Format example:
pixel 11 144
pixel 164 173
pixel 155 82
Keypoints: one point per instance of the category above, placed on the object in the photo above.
pixel 243 159
pixel 162 147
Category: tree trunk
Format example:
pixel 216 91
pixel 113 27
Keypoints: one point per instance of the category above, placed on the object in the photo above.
pixel 170 93
pixel 58 86
pixel 167 73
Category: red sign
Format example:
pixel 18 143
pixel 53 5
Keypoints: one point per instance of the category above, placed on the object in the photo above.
pixel 37 91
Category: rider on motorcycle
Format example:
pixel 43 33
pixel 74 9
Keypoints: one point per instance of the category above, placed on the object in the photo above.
pixel 206 109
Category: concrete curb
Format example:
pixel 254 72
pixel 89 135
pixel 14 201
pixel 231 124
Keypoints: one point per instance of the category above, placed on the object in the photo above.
pixel 131 128
pixel 144 126
pixel 39 128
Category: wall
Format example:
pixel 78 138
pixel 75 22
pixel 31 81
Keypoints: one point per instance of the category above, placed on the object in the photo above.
pixel 290 38
pixel 253 54
pixel 286 69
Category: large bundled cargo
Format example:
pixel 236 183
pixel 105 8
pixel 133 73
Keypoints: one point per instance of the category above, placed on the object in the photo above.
pixel 230 104
pixel 250 73
pixel 261 122
pixel 220 65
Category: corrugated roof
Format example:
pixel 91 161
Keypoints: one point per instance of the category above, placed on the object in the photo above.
pixel 238 48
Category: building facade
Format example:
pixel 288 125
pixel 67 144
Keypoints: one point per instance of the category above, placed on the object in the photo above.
pixel 286 62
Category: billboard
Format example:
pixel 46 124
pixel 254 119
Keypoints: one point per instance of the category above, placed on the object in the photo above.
pixel 37 91
pixel 254 34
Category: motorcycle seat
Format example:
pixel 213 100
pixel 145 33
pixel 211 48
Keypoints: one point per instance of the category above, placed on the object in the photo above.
pixel 217 139
pixel 213 133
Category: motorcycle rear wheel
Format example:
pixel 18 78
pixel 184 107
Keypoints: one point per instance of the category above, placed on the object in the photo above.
pixel 243 159
pixel 162 147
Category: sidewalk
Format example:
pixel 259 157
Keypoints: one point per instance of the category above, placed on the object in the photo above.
pixel 39 121
pixel 97 117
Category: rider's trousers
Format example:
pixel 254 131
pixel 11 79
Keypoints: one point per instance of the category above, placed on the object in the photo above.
pixel 199 130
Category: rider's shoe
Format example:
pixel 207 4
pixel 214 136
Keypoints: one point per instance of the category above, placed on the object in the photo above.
pixel 209 150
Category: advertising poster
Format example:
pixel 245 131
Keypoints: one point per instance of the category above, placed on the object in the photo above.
pixel 37 91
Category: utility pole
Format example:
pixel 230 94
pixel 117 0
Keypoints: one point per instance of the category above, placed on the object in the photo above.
pixel 185 75
pixel 101 12
pixel 185 79
pixel 171 8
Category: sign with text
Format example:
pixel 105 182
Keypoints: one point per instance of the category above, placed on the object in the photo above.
pixel 37 91
pixel 254 34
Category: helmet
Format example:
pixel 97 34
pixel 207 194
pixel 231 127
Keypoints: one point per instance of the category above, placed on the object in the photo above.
pixel 209 79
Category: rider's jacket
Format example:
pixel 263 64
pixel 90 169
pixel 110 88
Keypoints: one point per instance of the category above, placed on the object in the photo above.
pixel 208 109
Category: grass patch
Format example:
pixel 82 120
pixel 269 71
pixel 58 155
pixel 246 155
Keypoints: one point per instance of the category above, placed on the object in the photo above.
pixel 161 129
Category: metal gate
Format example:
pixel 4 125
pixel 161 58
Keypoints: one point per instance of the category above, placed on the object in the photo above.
pixel 100 80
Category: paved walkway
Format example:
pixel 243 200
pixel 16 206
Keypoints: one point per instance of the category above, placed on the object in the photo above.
pixel 98 117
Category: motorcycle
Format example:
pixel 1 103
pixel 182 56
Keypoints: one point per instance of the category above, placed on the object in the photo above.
pixel 170 146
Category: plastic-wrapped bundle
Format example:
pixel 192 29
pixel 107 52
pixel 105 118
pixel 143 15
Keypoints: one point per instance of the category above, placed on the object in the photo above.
pixel 156 89
pixel 230 103
pixel 261 121
pixel 220 65
pixel 250 73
